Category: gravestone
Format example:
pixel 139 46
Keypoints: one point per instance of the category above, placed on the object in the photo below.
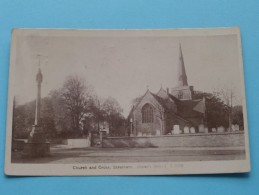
pixel 158 132
pixel 221 129
pixel 214 130
pixel 192 130
pixel 201 128
pixel 186 130
pixel 177 129
pixel 237 127
pixel 206 130
pixel 139 134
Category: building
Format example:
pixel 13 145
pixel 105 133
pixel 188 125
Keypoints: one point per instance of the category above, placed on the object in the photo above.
pixel 160 113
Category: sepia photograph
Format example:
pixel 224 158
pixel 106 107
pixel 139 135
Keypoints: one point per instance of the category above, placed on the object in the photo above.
pixel 126 102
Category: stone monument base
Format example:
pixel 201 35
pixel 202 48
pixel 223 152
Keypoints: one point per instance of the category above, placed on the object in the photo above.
pixel 37 146
pixel 33 150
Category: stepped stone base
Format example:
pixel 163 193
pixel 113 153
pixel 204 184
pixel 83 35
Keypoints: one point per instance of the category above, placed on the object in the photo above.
pixel 37 146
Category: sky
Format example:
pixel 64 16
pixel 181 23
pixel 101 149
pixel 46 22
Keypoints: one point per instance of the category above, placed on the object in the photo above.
pixel 124 67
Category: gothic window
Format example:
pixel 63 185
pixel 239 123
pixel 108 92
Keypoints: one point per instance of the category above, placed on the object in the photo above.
pixel 147 114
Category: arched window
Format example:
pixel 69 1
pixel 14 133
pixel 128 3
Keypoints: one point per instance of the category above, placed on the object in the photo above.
pixel 147 114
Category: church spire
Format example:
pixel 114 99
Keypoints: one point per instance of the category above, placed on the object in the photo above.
pixel 182 77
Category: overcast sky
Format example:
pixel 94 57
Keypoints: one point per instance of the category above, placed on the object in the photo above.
pixel 123 67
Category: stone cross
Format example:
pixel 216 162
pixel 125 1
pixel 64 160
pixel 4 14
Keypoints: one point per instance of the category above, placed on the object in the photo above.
pixel 37 145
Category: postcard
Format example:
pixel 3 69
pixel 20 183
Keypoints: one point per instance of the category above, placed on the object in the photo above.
pixel 126 102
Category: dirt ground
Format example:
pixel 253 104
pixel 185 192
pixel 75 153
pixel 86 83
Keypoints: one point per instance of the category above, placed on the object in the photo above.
pixel 61 154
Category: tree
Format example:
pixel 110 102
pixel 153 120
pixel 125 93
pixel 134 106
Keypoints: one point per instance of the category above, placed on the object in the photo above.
pixel 76 95
pixel 94 117
pixel 20 128
pixel 48 117
pixel 227 94
pixel 113 115
pixel 216 109
pixel 24 117
pixel 62 119
pixel 237 116
pixel 70 111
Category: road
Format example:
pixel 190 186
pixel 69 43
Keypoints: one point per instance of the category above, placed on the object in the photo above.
pixel 61 154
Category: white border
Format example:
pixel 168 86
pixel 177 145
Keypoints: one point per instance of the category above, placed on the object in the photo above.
pixel 162 168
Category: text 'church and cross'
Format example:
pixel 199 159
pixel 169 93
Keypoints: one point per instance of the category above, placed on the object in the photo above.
pixel 156 114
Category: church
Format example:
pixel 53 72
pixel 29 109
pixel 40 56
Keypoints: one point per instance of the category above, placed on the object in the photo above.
pixel 159 113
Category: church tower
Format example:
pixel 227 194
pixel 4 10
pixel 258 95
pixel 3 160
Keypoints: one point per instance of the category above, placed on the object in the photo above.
pixel 183 91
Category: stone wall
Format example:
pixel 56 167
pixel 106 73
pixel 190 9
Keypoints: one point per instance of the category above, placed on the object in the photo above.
pixel 183 140
pixel 77 143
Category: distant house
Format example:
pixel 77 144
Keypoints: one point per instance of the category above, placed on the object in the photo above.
pixel 158 113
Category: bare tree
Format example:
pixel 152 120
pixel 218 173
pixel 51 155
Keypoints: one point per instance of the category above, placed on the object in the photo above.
pixel 62 117
pixel 113 114
pixel 227 95
pixel 97 111
pixel 77 96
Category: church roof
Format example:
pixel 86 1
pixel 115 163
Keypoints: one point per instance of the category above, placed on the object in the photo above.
pixel 162 93
pixel 188 108
pixel 185 108
pixel 201 106
pixel 174 98
pixel 163 101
